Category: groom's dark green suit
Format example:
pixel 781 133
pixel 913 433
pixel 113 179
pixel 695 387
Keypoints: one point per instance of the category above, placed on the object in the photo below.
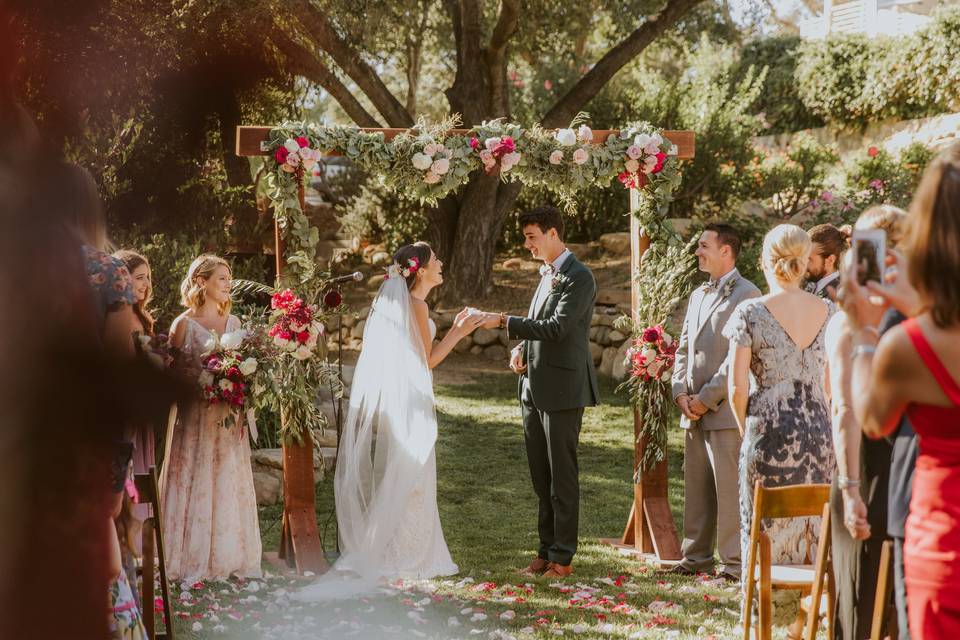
pixel 559 382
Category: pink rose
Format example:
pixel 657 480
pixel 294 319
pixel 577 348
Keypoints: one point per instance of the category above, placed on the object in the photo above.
pixel 634 152
pixel 474 143
pixel 580 156
pixel 556 157
pixel 486 156
pixel 652 147
pixel 440 166
pixel 430 149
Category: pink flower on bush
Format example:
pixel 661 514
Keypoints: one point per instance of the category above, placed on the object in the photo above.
pixel 580 156
pixel 548 85
pixel 556 156
pixel 872 152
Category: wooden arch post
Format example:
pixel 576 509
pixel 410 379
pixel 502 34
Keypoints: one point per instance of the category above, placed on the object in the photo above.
pixel 650 527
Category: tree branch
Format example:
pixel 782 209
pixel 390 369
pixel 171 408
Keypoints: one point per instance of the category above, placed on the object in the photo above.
pixel 593 81
pixel 496 56
pixel 305 63
pixel 326 37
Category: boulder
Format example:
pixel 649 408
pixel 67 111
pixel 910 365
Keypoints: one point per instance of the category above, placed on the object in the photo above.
pixel 496 352
pixel 349 320
pixel 613 297
pixel 616 243
pixel 596 352
pixel 272 458
pixel 484 337
pixel 606 362
pixel 380 259
pixel 582 251
pixel 445 320
pixel 504 340
pixel 603 320
pixel 357 331
pixel 603 336
pixel 464 345
pixel 476 350
pixel 267 487
pixel 513 264
pixel 616 337
pixel 327 437
pixel 620 370
pixel 375 281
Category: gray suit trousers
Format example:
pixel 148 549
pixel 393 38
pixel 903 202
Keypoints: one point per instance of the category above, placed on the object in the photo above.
pixel 711 510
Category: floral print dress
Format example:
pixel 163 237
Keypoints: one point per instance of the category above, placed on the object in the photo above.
pixel 788 437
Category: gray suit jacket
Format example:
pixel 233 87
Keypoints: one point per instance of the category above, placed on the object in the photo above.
pixel 701 364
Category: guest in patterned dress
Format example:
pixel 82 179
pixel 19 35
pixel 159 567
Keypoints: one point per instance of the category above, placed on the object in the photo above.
pixel 210 525
pixel 784 419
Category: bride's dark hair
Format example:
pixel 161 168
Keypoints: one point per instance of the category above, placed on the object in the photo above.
pixel 419 250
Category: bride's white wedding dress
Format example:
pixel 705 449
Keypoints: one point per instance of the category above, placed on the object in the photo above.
pixel 386 477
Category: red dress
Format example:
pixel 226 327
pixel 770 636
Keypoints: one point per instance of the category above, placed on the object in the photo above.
pixel 932 547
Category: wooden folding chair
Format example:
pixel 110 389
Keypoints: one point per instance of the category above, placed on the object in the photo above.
pixel 796 501
pixel 149 494
pixel 881 599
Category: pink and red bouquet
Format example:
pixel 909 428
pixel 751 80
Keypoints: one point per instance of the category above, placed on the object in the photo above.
pixel 157 349
pixel 296 156
pixel 497 149
pixel 652 355
pixel 645 157
pixel 295 329
pixel 228 370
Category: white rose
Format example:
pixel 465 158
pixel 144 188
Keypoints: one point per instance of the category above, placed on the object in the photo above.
pixel 585 133
pixel 556 157
pixel 291 145
pixel 508 161
pixel 431 149
pixel 144 341
pixel 226 385
pixel 440 166
pixel 232 339
pixel 667 338
pixel 649 354
pixel 641 140
pixel 632 166
pixel 302 353
pixel 248 366
pixel 580 156
pixel 566 137
pixel 206 378
pixel 652 148
pixel 666 375
pixel 421 161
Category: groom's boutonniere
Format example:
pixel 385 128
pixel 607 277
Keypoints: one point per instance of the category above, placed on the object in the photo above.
pixel 557 279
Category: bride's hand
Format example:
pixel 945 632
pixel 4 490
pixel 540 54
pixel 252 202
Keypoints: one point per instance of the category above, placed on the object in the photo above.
pixel 467 321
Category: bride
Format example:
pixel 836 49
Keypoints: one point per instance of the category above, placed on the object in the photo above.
pixel 386 477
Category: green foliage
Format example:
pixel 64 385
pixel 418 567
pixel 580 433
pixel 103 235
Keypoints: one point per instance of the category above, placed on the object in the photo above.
pixel 380 216
pixel 779 101
pixel 852 80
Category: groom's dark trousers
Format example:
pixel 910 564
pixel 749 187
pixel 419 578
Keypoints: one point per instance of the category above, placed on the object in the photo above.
pixel 559 382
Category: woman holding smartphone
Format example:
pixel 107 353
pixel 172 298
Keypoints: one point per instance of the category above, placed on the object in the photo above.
pixel 915 369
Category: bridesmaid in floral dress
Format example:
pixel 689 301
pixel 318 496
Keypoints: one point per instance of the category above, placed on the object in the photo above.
pixel 208 502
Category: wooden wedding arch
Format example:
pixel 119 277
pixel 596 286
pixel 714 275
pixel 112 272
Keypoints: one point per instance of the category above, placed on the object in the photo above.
pixel 649 531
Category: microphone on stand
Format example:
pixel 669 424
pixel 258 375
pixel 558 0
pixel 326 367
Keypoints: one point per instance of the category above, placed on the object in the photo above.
pixel 356 276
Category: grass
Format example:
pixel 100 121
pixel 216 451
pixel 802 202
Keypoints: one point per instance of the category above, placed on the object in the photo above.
pixel 488 511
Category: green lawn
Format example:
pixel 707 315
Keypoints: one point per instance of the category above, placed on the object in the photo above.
pixel 488 511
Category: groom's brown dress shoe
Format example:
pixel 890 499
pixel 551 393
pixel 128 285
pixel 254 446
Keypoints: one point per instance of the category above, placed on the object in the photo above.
pixel 558 570
pixel 536 568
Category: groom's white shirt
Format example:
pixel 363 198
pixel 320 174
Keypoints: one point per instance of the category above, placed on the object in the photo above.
pixel 543 289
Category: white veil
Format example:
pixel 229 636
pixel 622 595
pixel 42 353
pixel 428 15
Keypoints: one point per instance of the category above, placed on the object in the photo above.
pixel 387 441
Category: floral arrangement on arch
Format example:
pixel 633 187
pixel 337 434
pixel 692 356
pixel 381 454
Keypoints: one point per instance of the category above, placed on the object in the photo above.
pixel 295 329
pixel 652 354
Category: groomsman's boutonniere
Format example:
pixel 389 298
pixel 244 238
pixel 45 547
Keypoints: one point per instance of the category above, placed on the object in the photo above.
pixel 728 287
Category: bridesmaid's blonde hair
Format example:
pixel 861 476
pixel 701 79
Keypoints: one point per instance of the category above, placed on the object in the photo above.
pixel 191 289
pixel 786 249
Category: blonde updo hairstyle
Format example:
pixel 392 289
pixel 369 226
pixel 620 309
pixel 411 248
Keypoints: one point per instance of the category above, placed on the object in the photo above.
pixel 786 249
pixel 891 219
pixel 201 269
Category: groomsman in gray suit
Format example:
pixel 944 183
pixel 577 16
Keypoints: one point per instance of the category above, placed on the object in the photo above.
pixel 712 440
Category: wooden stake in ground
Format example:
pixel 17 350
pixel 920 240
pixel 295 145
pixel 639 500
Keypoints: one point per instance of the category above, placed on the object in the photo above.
pixel 650 527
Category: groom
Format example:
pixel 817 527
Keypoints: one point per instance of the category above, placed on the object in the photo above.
pixel 557 381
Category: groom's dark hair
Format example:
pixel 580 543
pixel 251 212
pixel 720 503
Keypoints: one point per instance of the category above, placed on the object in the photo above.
pixel 544 217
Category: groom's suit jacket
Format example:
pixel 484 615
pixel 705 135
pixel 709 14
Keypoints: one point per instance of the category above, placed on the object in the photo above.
pixel 556 344
pixel 701 363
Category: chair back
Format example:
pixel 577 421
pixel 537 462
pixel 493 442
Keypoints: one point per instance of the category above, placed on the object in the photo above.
pixel 795 501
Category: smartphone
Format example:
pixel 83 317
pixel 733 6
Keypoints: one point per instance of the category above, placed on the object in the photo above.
pixel 870 254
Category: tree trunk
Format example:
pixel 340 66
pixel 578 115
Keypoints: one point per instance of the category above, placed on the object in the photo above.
pixel 478 220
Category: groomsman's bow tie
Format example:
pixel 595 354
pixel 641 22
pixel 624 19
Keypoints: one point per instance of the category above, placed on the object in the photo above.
pixel 546 270
pixel 712 285
pixel 810 287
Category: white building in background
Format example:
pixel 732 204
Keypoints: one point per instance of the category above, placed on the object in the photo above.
pixel 872 17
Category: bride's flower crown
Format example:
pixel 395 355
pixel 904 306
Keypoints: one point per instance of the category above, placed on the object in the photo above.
pixel 394 270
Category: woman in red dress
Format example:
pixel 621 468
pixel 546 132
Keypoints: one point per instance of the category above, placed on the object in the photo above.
pixel 915 369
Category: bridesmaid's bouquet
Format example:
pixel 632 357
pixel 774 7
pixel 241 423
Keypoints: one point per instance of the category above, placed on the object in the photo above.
pixel 157 349
pixel 652 354
pixel 229 371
